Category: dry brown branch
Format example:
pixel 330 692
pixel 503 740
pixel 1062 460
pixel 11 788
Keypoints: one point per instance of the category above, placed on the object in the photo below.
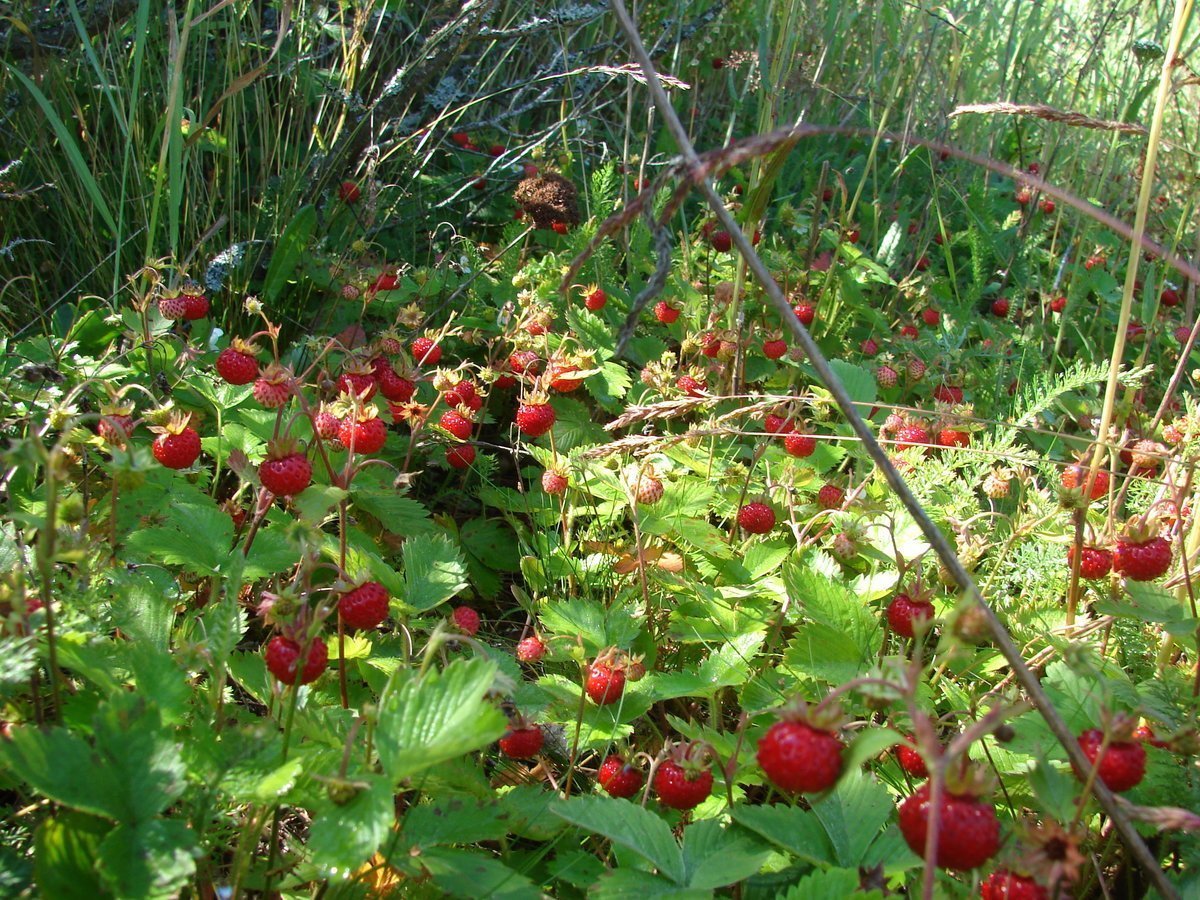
pixel 1050 114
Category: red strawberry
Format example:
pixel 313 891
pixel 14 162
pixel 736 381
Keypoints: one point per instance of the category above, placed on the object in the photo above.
pixel 1123 764
pixel 522 743
pixel 560 227
pixel 535 416
pixel 923 264
pixel 394 387
pixel 523 362
pixel 665 312
pixel 1075 477
pixel 911 435
pixel 680 788
pixel 1046 205
pixel 1058 304
pixel 776 424
pixel 236 363
pixel 904 612
pixel 886 376
pixel 619 778
pixel 531 649
pixel 496 150
pixel 460 456
pixel 1023 196
pixel 359 381
pixel 426 352
pixel 348 192
pixel 911 761
pixel 945 393
pixel 595 298
pixel 604 683
pixel 756 518
pixel 285 472
pixel 554 482
pixel 774 348
pixel 953 437
pixel 1005 885
pixel 173 306
pixel 365 433
pixel 465 619
pixel 869 347
pixel 909 331
pixel 456 423
pixel 177 445
pixel 691 385
pixel 274 386
pixel 799 445
pixel 968 831
pixel 805 312
pixel 1095 562
pixel 1144 561
pixel 1169 297
pixel 195 306
pixel 558 374
pixel 799 758
pixel 283 659
pixel 722 241
pixel 1000 307
pixel 364 607
pixel 930 316
pixel 830 496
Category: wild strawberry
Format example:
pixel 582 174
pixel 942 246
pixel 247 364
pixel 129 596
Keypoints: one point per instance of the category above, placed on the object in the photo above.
pixel 535 416
pixel 387 281
pixel 774 423
pixel 830 496
pixel 852 235
pixel 721 241
pixel 923 263
pixel 1005 885
pixel 1058 304
pixel 904 612
pixel 1046 205
pixel 172 306
pixel 236 363
pixel 679 787
pixel 560 227
pixel 349 192
pixel 1145 734
pixel 522 743
pixel 285 472
pixel 774 348
pixel 594 298
pixel 691 386
pixel 1144 457
pixel 1074 478
pixel 394 387
pixel 845 545
pixel 195 306
pixel 177 445
pixel 665 312
pixel 604 683
pixel 1142 560
pixel 465 619
pixel 274 386
pixel 496 150
pixel 524 362
pixel 326 423
pixel 116 423
pixel 869 347
pixel 915 369
pixel 364 607
pixel 648 489
pixel 756 518
pixel 953 437
pixel 968 830
pixel 559 376
pixel 619 778
pixel 799 445
pixel 456 423
pixel 460 456
pixel 805 312
pixel 911 435
pixel 531 649
pixel 1023 196
pixel 911 761
pixel 1122 765
pixel 1135 332
pixel 359 380
pixel 1169 297
pixel 426 352
pixel 1094 563
pixel 930 316
pixel 1094 261
pixel 364 432
pixel 710 344
pixel 800 758
pixel 886 376
pixel 945 393
pixel 1000 307
pixel 283 659
pixel 909 331
pixel 554 481
pixel 462 138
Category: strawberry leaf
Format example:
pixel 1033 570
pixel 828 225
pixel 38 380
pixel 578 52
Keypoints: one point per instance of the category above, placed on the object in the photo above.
pixel 345 834
pixel 628 826
pixel 434 571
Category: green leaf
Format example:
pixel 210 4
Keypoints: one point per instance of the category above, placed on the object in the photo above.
pixel 65 850
pixel 317 502
pixel 434 571
pixel 629 826
pixel 859 383
pixel 727 667
pixel 1054 790
pixel 457 820
pixel 150 859
pixel 398 514
pixel 714 856
pixel 289 249
pixel 425 720
pixel 596 626
pixel 491 547
pixel 832 884
pixel 345 835
pixel 867 745
pixel 853 814
pixel 791 828
pixel 470 874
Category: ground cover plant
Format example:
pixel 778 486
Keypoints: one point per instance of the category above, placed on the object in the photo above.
pixel 468 451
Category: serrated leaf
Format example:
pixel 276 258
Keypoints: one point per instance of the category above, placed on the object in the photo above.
pixel 629 826
pixel 398 514
pixel 853 814
pixel 791 828
pixel 596 626
pixel 469 874
pixel 66 846
pixel 428 719
pixel 1055 790
pixel 344 835
pixel 150 859
pixel 455 820
pixel 831 884
pixel 867 745
pixel 434 571
pixel 859 383
pixel 714 856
